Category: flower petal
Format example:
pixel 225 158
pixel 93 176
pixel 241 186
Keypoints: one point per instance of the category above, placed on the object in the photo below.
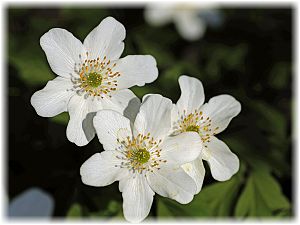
pixel 189 25
pixel 121 100
pixel 136 70
pixel 154 117
pixel 196 171
pixel 106 40
pixel 182 148
pixel 33 202
pixel 221 109
pixel 158 15
pixel 192 94
pixel 223 163
pixel 53 98
pixel 111 126
pixel 80 129
pixel 174 183
pixel 100 169
pixel 137 198
pixel 62 50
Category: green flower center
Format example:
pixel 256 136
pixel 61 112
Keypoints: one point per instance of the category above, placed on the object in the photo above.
pixel 193 128
pixel 142 155
pixel 94 79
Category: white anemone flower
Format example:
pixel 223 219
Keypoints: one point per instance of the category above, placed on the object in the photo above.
pixel 190 20
pixel 91 76
pixel 142 157
pixel 209 119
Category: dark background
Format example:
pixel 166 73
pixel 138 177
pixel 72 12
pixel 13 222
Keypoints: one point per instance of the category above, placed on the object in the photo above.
pixel 249 57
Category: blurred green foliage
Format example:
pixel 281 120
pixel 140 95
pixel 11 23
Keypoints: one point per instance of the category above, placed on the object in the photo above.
pixel 248 57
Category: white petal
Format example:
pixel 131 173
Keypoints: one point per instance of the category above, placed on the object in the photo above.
pixel 121 100
pixel 173 183
pixel 221 109
pixel 192 94
pixel 137 198
pixel 136 70
pixel 106 40
pixel 223 163
pixel 154 117
pixel 101 169
pixel 158 15
pixel 196 171
pixel 31 203
pixel 53 98
pixel 111 126
pixel 181 148
pixel 80 129
pixel 189 25
pixel 62 50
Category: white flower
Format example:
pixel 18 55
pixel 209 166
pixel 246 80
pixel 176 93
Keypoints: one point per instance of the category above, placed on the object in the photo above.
pixel 190 20
pixel 209 119
pixel 33 202
pixel 142 157
pixel 91 76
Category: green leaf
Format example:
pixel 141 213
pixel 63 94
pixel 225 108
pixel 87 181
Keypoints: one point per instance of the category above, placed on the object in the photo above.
pixel 62 118
pixel 261 197
pixel 34 70
pixel 280 75
pixel 271 119
pixel 113 209
pixel 215 200
pixel 74 211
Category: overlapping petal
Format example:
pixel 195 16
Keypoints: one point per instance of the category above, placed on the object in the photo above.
pixel 102 169
pixel 154 117
pixel 53 98
pixel 80 129
pixel 174 183
pixel 137 198
pixel 182 148
pixel 221 110
pixel 223 163
pixel 122 100
pixel 196 170
pixel 192 94
pixel 111 126
pixel 63 50
pixel 136 70
pixel 106 40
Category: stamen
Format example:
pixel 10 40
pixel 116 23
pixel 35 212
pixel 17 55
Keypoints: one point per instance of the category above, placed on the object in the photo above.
pixel 196 122
pixel 96 77
pixel 140 154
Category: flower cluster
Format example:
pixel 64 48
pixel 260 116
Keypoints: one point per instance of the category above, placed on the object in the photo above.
pixel 153 146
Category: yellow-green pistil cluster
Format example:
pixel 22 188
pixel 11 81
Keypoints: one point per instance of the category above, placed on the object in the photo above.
pixel 140 154
pixel 94 79
pixel 97 77
pixel 197 122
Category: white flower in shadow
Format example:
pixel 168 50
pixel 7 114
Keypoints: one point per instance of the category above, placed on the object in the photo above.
pixel 190 20
pixel 209 119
